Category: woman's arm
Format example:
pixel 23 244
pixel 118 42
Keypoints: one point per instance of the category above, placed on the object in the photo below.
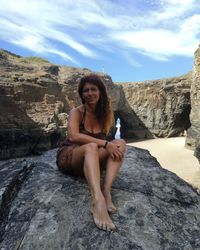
pixel 74 134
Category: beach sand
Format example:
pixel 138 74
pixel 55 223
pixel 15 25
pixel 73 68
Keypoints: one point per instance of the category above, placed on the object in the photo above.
pixel 172 155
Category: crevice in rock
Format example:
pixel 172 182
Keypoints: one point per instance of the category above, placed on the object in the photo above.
pixel 10 191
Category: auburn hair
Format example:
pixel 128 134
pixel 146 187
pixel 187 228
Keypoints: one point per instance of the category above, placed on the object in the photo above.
pixel 103 110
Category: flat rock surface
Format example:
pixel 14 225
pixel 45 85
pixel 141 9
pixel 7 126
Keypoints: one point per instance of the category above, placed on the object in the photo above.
pixel 43 209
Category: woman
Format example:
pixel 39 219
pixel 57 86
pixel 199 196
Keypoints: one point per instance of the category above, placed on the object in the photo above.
pixel 86 149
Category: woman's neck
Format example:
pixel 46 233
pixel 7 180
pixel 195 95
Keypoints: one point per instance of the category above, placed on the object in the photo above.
pixel 90 108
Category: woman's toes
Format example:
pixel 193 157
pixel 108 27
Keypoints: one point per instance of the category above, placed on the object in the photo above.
pixel 104 227
pixel 112 227
pixel 112 210
pixel 100 225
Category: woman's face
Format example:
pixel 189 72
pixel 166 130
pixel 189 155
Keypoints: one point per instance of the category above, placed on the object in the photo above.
pixel 91 93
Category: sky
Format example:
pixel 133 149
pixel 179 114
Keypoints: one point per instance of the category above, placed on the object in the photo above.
pixel 131 40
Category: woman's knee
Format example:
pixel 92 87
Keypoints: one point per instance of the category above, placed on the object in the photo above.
pixel 120 142
pixel 91 147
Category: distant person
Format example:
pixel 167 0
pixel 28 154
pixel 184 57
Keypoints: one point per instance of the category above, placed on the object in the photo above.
pixel 86 150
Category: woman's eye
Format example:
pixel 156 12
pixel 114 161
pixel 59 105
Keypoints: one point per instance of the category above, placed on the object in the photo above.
pixel 87 90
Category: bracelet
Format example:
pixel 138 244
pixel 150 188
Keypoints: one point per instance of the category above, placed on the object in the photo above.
pixel 104 146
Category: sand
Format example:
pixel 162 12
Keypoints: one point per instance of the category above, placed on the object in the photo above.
pixel 172 155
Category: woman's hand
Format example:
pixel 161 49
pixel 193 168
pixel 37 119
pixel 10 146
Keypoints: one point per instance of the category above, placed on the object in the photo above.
pixel 115 151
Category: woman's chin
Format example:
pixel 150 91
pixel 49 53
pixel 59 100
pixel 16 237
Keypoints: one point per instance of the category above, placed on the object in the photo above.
pixel 92 102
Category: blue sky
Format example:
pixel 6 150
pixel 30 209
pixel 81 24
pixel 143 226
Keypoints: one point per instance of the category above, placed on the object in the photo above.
pixel 131 40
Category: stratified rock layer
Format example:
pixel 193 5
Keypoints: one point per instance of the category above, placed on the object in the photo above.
pixel 43 209
pixel 193 134
pixel 29 104
pixel 36 96
pixel 35 99
pixel 163 106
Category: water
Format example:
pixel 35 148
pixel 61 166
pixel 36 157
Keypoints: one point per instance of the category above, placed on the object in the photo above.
pixel 118 125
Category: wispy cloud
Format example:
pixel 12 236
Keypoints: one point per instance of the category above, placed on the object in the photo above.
pixel 156 29
pixel 170 30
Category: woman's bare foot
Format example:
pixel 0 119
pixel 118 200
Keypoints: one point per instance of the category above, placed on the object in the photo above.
pixel 101 216
pixel 110 206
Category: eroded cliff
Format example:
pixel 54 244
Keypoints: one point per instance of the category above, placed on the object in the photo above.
pixel 163 106
pixel 193 134
pixel 35 99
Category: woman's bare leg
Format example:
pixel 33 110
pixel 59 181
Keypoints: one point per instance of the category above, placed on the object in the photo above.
pixel 112 169
pixel 88 155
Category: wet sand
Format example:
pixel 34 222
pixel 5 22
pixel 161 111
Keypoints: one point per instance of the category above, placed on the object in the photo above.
pixel 172 155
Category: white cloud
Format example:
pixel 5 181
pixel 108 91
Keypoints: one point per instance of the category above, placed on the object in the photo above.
pixel 158 44
pixel 131 60
pixel 172 30
pixel 67 40
pixel 89 28
pixel 21 36
pixel 191 25
pixel 179 2
pixel 31 25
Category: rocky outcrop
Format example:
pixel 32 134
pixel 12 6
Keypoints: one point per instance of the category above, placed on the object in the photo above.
pixel 36 97
pixel 18 133
pixel 131 127
pixel 163 106
pixel 34 117
pixel 193 134
pixel 41 208
pixel 35 101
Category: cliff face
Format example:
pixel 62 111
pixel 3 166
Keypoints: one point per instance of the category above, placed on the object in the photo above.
pixel 41 208
pixel 163 106
pixel 193 134
pixel 33 107
pixel 35 99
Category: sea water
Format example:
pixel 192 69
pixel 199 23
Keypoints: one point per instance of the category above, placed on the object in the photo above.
pixel 118 125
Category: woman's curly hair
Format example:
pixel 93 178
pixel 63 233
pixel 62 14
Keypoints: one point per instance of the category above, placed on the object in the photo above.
pixel 103 110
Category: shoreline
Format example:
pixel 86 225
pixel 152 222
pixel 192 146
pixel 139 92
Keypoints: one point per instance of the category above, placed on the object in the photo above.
pixel 173 156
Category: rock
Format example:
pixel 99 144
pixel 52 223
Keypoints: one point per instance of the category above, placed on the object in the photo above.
pixel 162 106
pixel 193 134
pixel 18 133
pixel 33 105
pixel 197 149
pixel 45 93
pixel 49 210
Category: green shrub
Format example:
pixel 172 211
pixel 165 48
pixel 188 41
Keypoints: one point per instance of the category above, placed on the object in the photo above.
pixel 36 59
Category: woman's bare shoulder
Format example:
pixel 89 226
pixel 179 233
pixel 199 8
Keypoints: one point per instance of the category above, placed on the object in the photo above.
pixel 77 110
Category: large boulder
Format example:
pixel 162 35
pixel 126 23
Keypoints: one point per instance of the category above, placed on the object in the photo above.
pixel 41 208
